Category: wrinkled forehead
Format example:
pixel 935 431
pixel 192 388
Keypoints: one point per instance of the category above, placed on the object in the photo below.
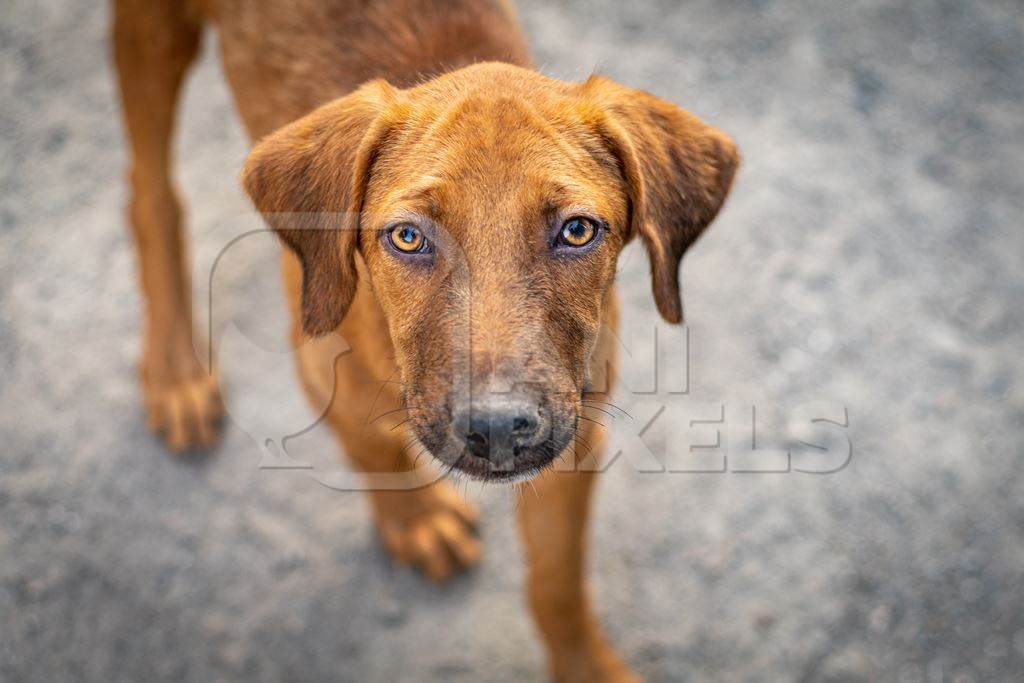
pixel 487 160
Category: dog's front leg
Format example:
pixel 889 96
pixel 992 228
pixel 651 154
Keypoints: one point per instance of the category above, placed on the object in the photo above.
pixel 553 523
pixel 154 45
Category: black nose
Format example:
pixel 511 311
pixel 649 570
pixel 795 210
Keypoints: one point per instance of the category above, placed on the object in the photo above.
pixel 495 429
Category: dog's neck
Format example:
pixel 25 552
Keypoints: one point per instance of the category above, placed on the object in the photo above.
pixel 322 50
pixel 426 38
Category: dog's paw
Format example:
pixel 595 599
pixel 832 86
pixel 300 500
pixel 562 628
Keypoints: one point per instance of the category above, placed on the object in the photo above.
pixel 598 672
pixel 596 662
pixel 185 412
pixel 431 529
pixel 614 672
pixel 615 675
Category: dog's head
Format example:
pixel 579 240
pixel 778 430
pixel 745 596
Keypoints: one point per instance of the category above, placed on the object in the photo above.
pixel 489 206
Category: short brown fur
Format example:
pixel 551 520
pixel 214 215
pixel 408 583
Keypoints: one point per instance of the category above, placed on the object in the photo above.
pixel 368 113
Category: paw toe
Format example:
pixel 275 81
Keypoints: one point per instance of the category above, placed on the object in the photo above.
pixel 185 413
pixel 439 543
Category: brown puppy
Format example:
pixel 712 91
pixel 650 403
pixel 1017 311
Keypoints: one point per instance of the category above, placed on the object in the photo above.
pixel 454 215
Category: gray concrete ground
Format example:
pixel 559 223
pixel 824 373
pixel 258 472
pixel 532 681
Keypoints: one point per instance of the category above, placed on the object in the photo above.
pixel 870 257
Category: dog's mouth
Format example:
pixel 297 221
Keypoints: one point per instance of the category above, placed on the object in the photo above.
pixel 494 458
pixel 526 463
pixel 495 436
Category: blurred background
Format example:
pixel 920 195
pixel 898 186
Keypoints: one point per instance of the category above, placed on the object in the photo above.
pixel 870 256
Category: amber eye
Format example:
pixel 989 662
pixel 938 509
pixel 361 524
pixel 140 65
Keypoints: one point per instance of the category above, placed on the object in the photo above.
pixel 407 238
pixel 578 232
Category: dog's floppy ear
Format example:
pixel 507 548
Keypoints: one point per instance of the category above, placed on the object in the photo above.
pixel 308 180
pixel 678 171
